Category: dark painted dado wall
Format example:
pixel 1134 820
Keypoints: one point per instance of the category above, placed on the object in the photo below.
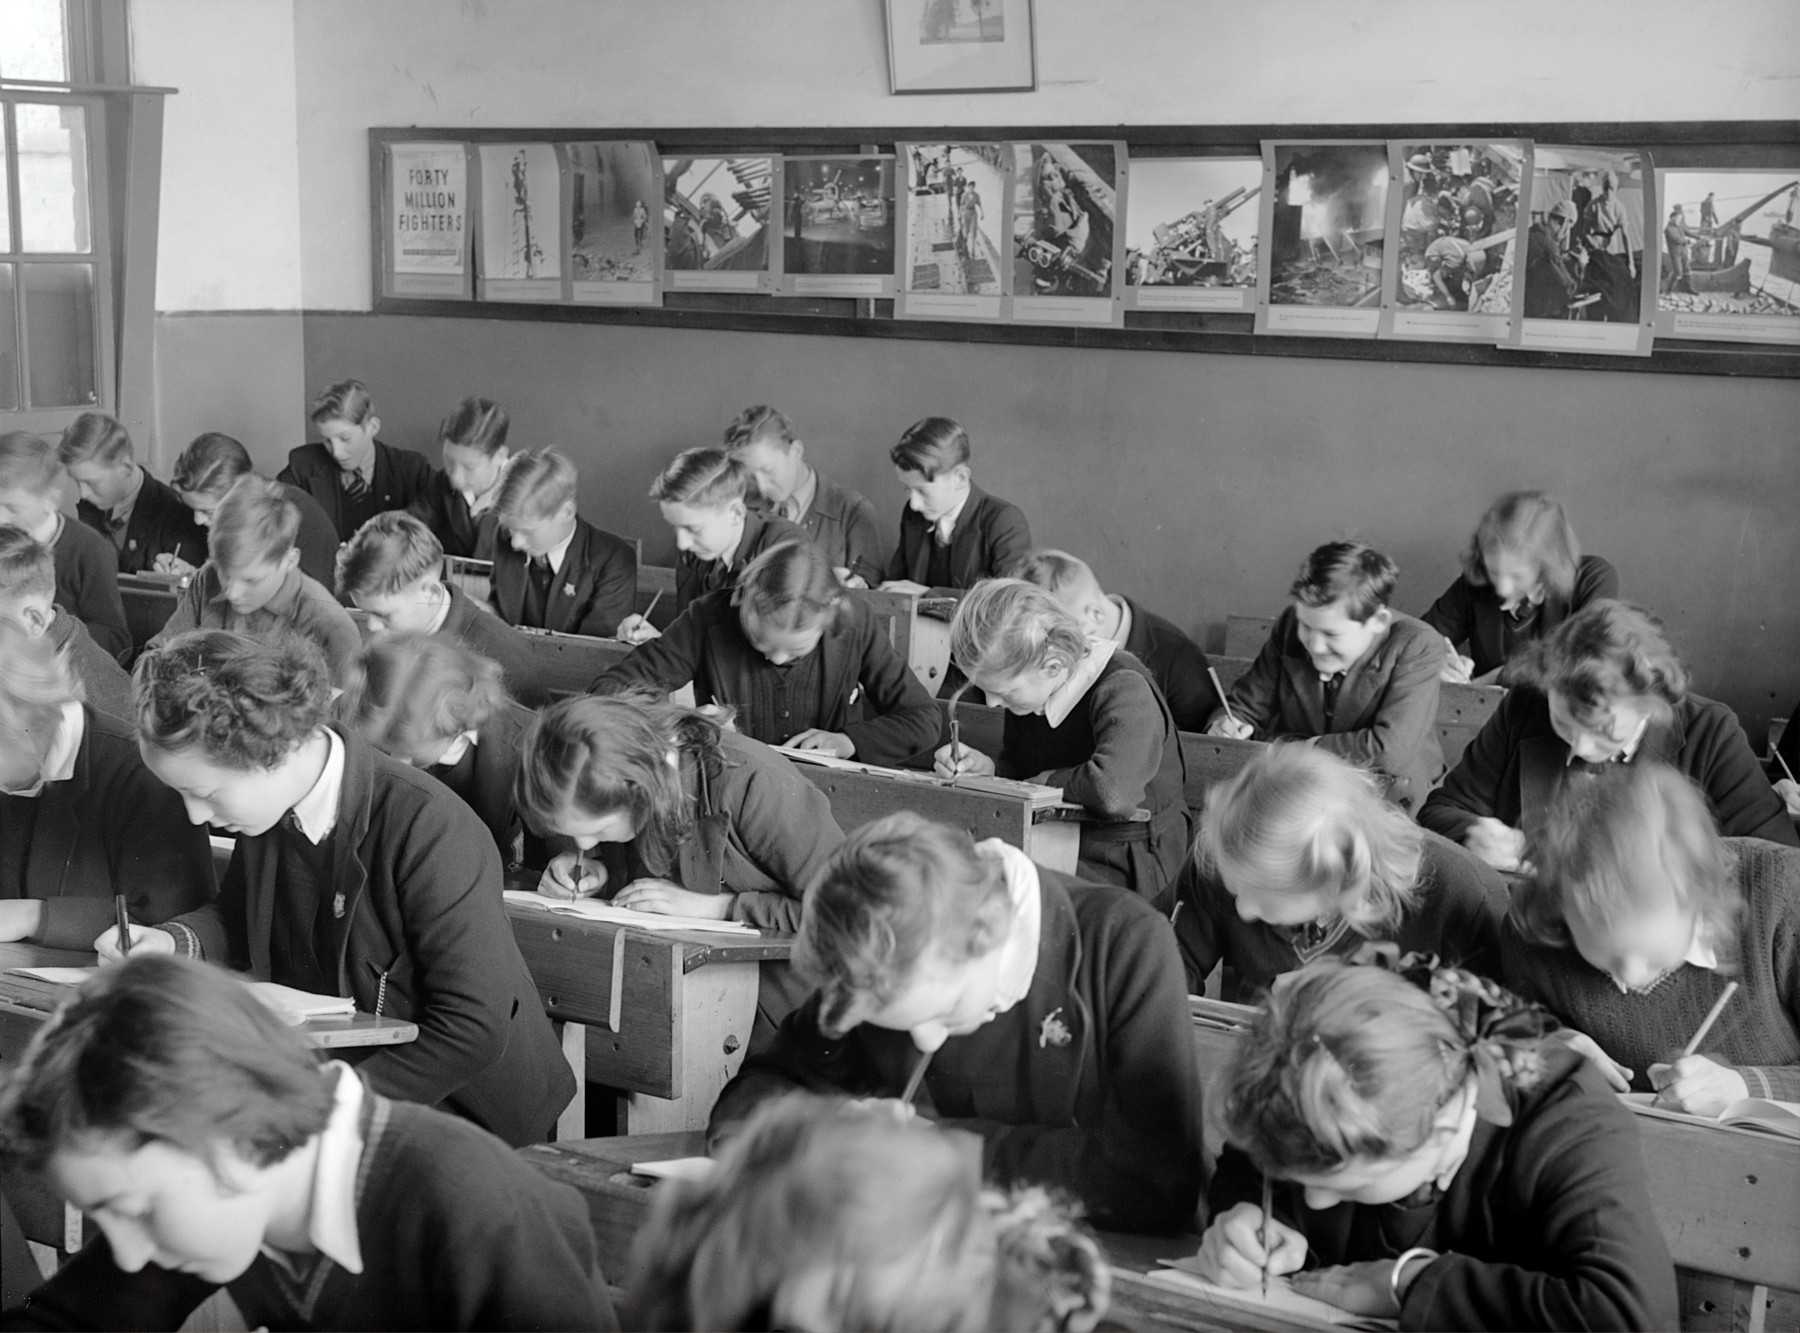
pixel 1195 482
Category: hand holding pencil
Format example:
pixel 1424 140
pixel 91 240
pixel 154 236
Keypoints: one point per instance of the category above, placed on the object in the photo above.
pixel 1694 1083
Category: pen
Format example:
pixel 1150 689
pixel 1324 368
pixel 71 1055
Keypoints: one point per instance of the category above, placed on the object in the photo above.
pixel 1712 1016
pixel 918 1077
pixel 956 731
pixel 123 921
pixel 651 609
pixel 1223 701
pixel 580 874
pixel 1262 1230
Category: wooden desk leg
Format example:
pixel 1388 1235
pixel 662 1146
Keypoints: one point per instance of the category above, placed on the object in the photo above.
pixel 717 1008
pixel 1055 844
pixel 572 1123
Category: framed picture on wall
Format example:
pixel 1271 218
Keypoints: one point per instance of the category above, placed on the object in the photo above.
pixel 961 46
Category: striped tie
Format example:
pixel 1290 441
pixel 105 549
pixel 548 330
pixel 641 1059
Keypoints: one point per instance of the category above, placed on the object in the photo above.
pixel 354 485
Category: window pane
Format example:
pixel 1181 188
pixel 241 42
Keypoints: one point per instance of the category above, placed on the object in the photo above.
pixel 59 334
pixel 33 44
pixel 53 178
pixel 9 343
pixel 5 199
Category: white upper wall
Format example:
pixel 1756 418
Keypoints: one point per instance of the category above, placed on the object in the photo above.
pixel 363 63
pixel 230 222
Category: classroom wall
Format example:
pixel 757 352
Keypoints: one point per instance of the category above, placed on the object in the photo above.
pixel 1195 482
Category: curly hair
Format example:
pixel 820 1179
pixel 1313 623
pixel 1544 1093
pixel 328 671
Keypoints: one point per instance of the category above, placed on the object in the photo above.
pixel 410 692
pixel 1606 652
pixel 244 703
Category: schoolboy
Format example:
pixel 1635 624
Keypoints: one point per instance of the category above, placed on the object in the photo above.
pixel 393 569
pixel 840 522
pixel 1344 671
pixel 219 1152
pixel 87 570
pixel 552 569
pixel 458 502
pixel 352 474
pixel 252 583
pixel 142 518
pixel 211 466
pixel 27 598
pixel 953 534
pixel 1174 660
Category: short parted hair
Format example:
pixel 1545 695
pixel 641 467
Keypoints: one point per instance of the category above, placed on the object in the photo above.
pixel 392 551
pixel 1618 844
pixel 347 400
pixel 590 756
pixel 1298 820
pixel 245 703
pixel 930 446
pixel 704 478
pixel 1053 570
pixel 1606 652
pixel 790 587
pixel 93 437
pixel 1532 527
pixel 476 423
pixel 1358 575
pixel 1343 1062
pixel 27 567
pixel 535 486
pixel 1004 627
pixel 761 422
pixel 821 1214
pixel 28 463
pixel 210 464
pixel 409 692
pixel 896 889
pixel 164 1050
pixel 255 522
pixel 37 680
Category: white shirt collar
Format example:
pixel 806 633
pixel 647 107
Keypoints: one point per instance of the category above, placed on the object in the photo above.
pixel 1700 949
pixel 121 512
pixel 802 498
pixel 481 503
pixel 1123 632
pixel 331 1222
pixel 1626 755
pixel 59 760
pixel 317 811
pixel 443 611
pixel 1081 675
pixel 558 553
pixel 47 533
pixel 1019 951
pixel 946 525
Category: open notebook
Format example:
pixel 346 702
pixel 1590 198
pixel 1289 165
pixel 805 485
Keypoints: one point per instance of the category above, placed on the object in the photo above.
pixel 1759 1113
pixel 592 909
pixel 1177 1275
pixel 296 1006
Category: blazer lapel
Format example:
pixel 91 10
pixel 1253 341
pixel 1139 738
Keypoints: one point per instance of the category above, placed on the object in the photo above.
pixel 349 873
pixel 839 665
pixel 261 863
pixel 965 541
pixel 1304 685
pixel 1055 1029
pixel 56 832
pixel 509 584
pixel 565 589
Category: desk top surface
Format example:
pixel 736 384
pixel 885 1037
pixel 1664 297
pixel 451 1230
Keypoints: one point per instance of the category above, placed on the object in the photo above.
pixel 697 948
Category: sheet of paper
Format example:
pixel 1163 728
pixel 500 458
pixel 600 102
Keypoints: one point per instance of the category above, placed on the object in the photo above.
pixel 296 1006
pixel 56 976
pixel 676 1168
pixel 1282 1297
pixel 590 909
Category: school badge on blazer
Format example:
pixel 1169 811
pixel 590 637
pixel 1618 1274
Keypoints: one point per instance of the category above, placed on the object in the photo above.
pixel 1053 1031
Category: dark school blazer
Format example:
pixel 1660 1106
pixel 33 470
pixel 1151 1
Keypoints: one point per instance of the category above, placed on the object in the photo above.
pixel 594 590
pixel 318 538
pixel 441 507
pixel 1514 767
pixel 485 777
pixel 1468 613
pixel 705 644
pixel 110 828
pixel 417 931
pixel 1386 715
pixel 1087 1085
pixel 695 578
pixel 1177 665
pixel 990 537
pixel 399 478
pixel 841 523
pixel 87 585
pixel 479 630
pixel 160 524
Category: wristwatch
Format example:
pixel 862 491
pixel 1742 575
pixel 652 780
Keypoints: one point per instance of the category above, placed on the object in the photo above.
pixel 1396 1279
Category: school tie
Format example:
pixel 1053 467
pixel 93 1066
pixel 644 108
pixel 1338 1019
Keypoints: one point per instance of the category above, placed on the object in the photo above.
pixel 352 481
pixel 1332 685
pixel 789 509
pixel 540 576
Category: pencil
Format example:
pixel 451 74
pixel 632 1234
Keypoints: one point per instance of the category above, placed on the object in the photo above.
pixel 1712 1016
pixel 651 609
pixel 956 731
pixel 1785 768
pixel 1223 701
pixel 918 1077
pixel 122 919
pixel 1262 1230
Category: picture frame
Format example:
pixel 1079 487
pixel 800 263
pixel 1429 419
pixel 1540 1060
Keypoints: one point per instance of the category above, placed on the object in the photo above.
pixel 961 46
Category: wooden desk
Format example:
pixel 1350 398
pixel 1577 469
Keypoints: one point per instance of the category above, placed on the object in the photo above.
pixel 918 626
pixel 150 600
pixel 564 664
pixel 663 1018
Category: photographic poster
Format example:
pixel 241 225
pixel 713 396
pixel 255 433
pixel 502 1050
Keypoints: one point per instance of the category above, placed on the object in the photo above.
pixel 1730 268
pixel 521 222
pixel 1589 279
pixel 837 227
pixel 1068 249
pixel 615 236
pixel 428 212
pixel 1453 212
pixel 716 214
pixel 960 46
pixel 953 215
pixel 1190 235
pixel 1323 229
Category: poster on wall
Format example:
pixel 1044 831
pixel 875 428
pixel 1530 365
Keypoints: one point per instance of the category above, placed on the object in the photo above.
pixel 1453 211
pixel 716 213
pixel 614 235
pixel 837 226
pixel 521 222
pixel 1589 279
pixel 1730 267
pixel 1190 234
pixel 428 215
pixel 1068 246
pixel 953 240
pixel 1323 225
